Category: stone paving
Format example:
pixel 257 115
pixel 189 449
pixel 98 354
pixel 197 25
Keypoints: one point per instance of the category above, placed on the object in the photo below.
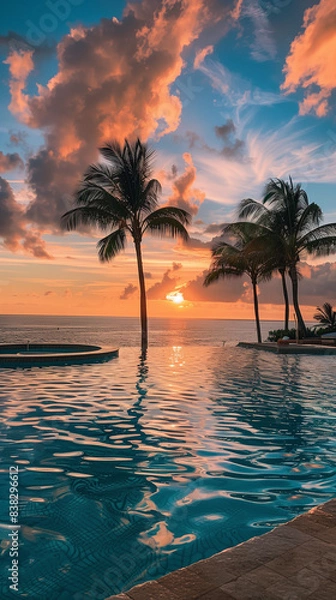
pixel 292 562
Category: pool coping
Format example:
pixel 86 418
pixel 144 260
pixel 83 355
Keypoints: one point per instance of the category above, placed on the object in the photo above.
pixel 83 353
pixel 291 348
pixel 294 561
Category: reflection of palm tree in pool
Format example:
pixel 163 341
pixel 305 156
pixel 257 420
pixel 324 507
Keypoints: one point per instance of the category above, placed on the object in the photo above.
pixel 268 404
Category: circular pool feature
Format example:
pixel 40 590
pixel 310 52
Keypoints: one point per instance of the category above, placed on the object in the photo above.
pixel 21 355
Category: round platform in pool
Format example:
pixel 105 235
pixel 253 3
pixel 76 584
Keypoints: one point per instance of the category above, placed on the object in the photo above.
pixel 20 355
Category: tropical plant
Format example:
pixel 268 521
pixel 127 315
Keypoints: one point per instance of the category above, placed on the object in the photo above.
pixel 118 195
pixel 236 259
pixel 270 225
pixel 295 230
pixel 326 315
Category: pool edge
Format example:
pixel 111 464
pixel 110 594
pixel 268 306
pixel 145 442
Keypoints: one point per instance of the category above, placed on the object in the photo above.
pixel 296 559
pixel 92 354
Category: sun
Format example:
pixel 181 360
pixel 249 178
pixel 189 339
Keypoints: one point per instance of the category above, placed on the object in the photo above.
pixel 176 297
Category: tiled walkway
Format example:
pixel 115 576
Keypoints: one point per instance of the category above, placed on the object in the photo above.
pixel 294 561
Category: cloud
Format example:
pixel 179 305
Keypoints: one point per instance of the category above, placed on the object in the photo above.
pixel 201 56
pixel 148 275
pixel 160 290
pixel 317 286
pixel 129 290
pixel 214 228
pixel 311 61
pixel 238 93
pixel 262 47
pixel 114 81
pixel 233 147
pixel 184 194
pixel 18 138
pixel 14 228
pixel 8 162
pixel 20 66
pixel 229 290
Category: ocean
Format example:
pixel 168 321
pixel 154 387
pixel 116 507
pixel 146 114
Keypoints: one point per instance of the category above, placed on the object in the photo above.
pixel 121 332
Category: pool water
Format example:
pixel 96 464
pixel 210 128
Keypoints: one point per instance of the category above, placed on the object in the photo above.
pixel 132 469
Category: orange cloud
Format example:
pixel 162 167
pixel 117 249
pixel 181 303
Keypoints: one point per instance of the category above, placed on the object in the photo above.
pixel 114 81
pixel 311 61
pixel 20 66
pixel 184 194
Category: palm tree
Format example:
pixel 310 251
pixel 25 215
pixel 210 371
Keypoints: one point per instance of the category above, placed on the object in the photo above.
pixel 270 230
pixel 235 259
pixel 297 230
pixel 119 196
pixel 326 315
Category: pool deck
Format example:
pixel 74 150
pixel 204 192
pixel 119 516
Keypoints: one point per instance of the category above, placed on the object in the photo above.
pixel 294 561
pixel 290 348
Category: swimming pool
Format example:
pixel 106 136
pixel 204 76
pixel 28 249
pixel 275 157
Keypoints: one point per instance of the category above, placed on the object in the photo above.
pixel 131 469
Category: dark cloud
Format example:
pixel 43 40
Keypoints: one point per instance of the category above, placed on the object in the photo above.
pixel 14 42
pixel 225 131
pixel 8 162
pixel 148 275
pixel 14 227
pixel 225 290
pixel 168 283
pixel 129 290
pixel 18 138
pixel 233 148
pixel 318 285
pixel 214 228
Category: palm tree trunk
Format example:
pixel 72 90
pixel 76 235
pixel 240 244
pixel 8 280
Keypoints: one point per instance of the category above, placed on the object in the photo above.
pixel 295 285
pixel 256 309
pixel 143 301
pixel 286 299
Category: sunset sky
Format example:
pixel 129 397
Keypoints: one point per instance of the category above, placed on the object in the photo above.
pixel 229 92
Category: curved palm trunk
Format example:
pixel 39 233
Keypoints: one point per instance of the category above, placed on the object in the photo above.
pixel 285 295
pixel 143 301
pixel 295 285
pixel 256 309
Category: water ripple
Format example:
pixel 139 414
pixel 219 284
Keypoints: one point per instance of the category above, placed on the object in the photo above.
pixel 131 469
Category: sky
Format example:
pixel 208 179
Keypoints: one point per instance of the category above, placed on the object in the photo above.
pixel 229 93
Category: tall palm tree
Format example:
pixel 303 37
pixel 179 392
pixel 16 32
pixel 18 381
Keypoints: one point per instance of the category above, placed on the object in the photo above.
pixel 271 229
pixel 235 259
pixel 298 230
pixel 326 315
pixel 118 195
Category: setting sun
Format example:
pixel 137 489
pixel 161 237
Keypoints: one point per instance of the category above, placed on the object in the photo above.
pixel 176 297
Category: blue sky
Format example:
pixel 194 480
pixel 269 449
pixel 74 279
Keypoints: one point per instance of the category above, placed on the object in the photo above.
pixel 229 92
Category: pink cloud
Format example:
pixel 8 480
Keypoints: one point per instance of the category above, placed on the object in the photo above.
pixel 184 194
pixel 114 81
pixel 20 66
pixel 311 61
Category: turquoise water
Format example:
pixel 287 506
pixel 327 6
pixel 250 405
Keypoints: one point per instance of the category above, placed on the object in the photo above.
pixel 131 469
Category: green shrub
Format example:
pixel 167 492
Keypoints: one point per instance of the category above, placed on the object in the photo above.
pixel 277 334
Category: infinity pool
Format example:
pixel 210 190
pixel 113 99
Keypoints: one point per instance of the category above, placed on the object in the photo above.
pixel 130 469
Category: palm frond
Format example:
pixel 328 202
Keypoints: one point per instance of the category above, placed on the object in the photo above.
pixel 167 221
pixel 251 209
pixel 326 315
pixel 111 245
pixel 221 272
pixel 87 216
pixel 321 247
pixel 310 217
